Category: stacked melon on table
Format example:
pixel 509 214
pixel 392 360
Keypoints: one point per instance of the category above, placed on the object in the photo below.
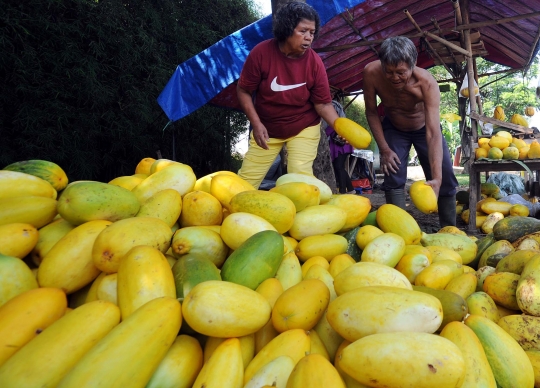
pixel 502 145
pixel 160 279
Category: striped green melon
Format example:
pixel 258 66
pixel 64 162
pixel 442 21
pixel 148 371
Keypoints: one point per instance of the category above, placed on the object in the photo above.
pixel 256 260
pixel 49 171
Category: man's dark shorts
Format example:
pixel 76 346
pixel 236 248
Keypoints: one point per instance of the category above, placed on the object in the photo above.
pixel 401 142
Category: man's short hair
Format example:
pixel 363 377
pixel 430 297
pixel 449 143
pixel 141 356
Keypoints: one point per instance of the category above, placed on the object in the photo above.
pixel 398 49
pixel 289 15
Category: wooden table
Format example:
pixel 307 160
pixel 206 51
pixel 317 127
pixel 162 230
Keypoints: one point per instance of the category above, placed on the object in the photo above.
pixel 484 166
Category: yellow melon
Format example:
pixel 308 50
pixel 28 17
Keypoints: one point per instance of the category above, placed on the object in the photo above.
pixel 505 134
pixel 200 208
pixel 534 150
pixel 480 153
pixel 529 111
pixel 483 140
pixel 519 120
pixel 354 133
pixel 392 218
pixel 226 186
pixel 519 143
pixel 366 234
pixel 486 146
pixel 143 167
pixel 18 239
pixel 423 197
pixel 495 153
pixel 274 207
pixel 325 192
pixel 519 210
pixel 500 142
pixel 511 153
pixel 301 306
pixel 302 194
pixel 160 164
pixel 465 91
pixel 357 208
pixel 524 152
pixel 499 113
pixel 129 181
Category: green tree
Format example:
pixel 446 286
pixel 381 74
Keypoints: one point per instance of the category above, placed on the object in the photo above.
pixel 80 79
pixel 513 90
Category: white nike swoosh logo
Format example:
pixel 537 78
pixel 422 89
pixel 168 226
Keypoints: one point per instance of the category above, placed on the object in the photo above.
pixel 281 88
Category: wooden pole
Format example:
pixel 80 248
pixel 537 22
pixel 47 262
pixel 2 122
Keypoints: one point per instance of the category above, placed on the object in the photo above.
pixel 349 21
pixel 467 53
pixel 450 52
pixel 474 181
pixel 478 98
pixel 431 49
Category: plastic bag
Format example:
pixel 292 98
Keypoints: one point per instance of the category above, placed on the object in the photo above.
pixel 508 183
pixel 487 129
pixel 464 91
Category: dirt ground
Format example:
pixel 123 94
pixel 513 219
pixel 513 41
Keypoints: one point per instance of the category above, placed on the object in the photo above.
pixel 429 223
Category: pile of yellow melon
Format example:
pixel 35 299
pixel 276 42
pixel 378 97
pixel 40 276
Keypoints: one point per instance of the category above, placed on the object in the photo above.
pixel 160 279
pixel 503 146
pixel 490 208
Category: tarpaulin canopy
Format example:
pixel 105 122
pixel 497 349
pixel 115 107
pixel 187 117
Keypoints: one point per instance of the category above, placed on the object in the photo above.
pixel 502 31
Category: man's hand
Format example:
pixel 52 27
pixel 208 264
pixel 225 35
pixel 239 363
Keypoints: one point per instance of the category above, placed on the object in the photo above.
pixel 435 185
pixel 260 135
pixel 389 162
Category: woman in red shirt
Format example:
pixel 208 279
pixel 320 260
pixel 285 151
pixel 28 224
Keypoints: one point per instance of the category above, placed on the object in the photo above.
pixel 283 90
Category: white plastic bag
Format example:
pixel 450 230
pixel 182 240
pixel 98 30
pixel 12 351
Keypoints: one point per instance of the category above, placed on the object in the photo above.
pixel 487 129
pixel 464 91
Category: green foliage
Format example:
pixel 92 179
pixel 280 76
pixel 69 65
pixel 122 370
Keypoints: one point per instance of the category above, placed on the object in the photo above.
pixel 80 80
pixel 356 111
pixel 512 90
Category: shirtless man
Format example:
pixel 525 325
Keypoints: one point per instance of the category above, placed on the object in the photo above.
pixel 411 99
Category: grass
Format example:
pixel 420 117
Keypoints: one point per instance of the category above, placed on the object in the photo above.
pixel 463 179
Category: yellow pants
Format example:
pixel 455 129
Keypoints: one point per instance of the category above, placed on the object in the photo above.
pixel 302 150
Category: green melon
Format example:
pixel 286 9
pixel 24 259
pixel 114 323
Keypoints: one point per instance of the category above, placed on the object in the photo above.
pixel 256 260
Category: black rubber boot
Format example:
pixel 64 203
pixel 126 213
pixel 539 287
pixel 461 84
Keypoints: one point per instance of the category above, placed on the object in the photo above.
pixel 447 211
pixel 396 197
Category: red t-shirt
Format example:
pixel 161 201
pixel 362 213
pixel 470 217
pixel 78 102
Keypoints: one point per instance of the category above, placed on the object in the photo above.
pixel 285 88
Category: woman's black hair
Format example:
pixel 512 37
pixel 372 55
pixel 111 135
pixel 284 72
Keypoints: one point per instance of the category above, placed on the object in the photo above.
pixel 289 15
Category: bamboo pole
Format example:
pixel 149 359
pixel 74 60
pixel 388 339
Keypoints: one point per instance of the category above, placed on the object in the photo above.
pixel 478 99
pixel 467 53
pixel 508 71
pixel 474 182
pixel 350 23
pixel 457 11
pixel 430 47
pixel 450 52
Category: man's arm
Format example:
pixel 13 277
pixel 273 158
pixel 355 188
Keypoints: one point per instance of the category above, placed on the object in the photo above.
pixel 260 134
pixel 389 159
pixel 432 100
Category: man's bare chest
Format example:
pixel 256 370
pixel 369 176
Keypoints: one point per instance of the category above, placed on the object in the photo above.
pixel 401 100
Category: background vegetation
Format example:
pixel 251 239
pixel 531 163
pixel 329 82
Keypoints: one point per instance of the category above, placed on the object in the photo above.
pixel 79 81
pixel 513 91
